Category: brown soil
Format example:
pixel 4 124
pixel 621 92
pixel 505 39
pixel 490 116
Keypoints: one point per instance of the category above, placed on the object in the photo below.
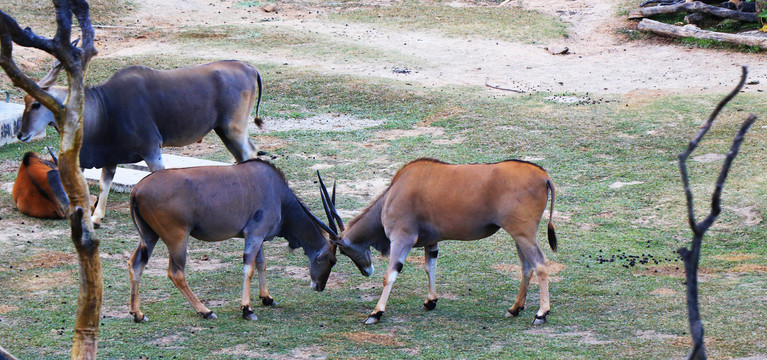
pixel 364 337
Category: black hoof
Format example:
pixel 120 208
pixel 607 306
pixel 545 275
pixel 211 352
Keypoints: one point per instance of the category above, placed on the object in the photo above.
pixel 540 320
pixel 514 312
pixel 138 320
pixel 209 316
pixel 374 318
pixel 268 301
pixel 248 314
pixel 96 225
pixel 430 304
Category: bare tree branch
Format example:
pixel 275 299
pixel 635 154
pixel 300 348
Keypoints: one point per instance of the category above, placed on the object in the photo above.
pixel 10 32
pixel 69 118
pixel 693 7
pixel 694 144
pixel 691 257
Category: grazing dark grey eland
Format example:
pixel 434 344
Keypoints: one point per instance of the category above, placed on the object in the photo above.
pixel 429 201
pixel 249 200
pixel 139 110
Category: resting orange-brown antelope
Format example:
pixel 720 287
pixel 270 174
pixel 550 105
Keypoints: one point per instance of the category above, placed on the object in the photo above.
pixel 249 200
pixel 429 201
pixel 37 190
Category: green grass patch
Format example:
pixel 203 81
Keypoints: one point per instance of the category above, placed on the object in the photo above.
pixel 714 44
pixel 619 198
pixel 39 12
pixel 600 309
pixel 508 23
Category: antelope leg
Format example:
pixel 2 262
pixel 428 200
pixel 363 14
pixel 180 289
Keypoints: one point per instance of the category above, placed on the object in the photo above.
pixel 400 247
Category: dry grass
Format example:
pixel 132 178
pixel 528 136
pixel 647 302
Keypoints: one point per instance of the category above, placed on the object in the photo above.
pixel 364 337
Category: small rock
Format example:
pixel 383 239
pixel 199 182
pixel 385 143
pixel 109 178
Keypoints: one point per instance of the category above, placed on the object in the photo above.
pixel 557 49
pixel 269 8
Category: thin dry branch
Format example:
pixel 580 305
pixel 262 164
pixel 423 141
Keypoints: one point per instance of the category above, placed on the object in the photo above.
pixel 503 88
pixel 691 256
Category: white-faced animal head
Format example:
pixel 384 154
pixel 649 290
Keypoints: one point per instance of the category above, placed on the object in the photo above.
pixel 37 117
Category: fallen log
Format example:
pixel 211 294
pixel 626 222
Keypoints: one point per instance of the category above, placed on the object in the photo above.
pixel 660 28
pixel 693 7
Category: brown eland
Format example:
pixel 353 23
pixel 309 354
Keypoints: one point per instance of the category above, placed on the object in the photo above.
pixel 429 201
pixel 37 190
pixel 250 200
pixel 139 110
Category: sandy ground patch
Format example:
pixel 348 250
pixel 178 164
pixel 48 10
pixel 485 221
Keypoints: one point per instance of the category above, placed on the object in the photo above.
pixel 323 122
pixel 364 337
pixel 735 257
pixel 24 231
pixel 664 292
pixel 585 337
pixel 158 266
pixel 51 259
pixel 251 351
pixel 599 61
pixel 4 309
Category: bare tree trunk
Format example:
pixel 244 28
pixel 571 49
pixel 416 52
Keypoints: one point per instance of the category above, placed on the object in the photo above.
pixel 69 119
pixel 692 257
pixel 693 7
pixel 694 32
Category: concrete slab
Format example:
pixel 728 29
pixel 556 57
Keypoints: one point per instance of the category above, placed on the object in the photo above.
pixel 10 122
pixel 123 181
pixel 129 175
pixel 175 161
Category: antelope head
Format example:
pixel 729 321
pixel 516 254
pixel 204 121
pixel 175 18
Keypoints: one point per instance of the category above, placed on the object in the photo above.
pixel 359 253
pixel 36 117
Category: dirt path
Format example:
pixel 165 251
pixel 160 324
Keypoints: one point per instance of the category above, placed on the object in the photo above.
pixel 598 62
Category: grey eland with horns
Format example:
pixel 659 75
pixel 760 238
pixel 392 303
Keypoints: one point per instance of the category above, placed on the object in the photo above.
pixel 429 201
pixel 140 110
pixel 250 200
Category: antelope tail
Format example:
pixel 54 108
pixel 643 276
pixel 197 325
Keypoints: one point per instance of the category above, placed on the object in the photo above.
pixel 259 122
pixel 134 212
pixel 552 234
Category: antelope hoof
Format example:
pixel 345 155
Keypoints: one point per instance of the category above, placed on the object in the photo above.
pixel 209 316
pixel 248 314
pixel 540 320
pixel 96 225
pixel 374 318
pixel 268 301
pixel 138 320
pixel 430 304
pixel 515 312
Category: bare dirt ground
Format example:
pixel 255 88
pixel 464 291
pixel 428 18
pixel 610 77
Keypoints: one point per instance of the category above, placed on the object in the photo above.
pixel 599 61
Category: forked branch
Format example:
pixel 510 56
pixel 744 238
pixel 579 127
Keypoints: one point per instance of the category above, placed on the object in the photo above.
pixel 69 117
pixel 691 257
